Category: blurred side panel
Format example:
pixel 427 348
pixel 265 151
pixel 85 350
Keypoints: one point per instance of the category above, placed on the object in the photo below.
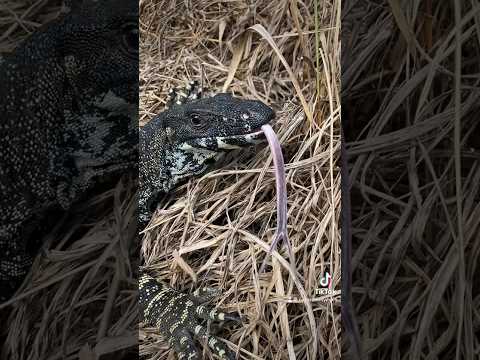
pixel 410 103
pixel 68 179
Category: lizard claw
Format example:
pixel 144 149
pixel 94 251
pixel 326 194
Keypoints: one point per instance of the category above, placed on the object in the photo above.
pixel 232 317
pixel 191 92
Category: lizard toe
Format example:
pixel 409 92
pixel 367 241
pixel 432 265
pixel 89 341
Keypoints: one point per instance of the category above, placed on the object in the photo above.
pixel 215 344
pixel 185 346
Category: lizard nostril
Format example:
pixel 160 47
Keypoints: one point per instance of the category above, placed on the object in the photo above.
pixel 270 114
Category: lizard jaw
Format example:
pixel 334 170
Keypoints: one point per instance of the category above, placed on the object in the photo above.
pixel 222 143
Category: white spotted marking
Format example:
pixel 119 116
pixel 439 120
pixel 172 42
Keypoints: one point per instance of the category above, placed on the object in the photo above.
pixel 223 145
pixel 186 147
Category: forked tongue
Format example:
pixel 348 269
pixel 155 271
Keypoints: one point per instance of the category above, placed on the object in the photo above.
pixel 281 188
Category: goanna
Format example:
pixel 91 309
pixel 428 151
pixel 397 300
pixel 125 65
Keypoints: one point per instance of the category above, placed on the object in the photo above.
pixel 179 143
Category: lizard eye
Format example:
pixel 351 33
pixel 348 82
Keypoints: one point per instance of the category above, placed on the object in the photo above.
pixel 196 121
pixel 130 38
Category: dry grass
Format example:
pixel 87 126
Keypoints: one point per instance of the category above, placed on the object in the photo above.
pixel 218 228
pixel 412 102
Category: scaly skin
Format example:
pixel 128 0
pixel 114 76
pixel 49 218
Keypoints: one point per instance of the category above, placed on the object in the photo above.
pixel 177 316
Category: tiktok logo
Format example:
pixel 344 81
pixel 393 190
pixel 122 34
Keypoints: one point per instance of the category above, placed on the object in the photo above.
pixel 326 280
pixel 325 285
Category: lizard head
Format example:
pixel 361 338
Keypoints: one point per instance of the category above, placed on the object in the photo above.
pixel 93 46
pixel 100 47
pixel 217 123
pixel 98 50
pixel 199 131
pixel 77 77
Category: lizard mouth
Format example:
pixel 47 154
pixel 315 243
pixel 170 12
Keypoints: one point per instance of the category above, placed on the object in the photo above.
pixel 239 141
pixel 221 143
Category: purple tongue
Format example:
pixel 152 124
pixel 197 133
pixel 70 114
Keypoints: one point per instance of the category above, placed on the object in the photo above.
pixel 281 186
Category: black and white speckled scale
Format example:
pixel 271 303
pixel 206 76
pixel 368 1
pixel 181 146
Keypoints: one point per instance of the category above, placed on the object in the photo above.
pixel 177 144
pixel 177 316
